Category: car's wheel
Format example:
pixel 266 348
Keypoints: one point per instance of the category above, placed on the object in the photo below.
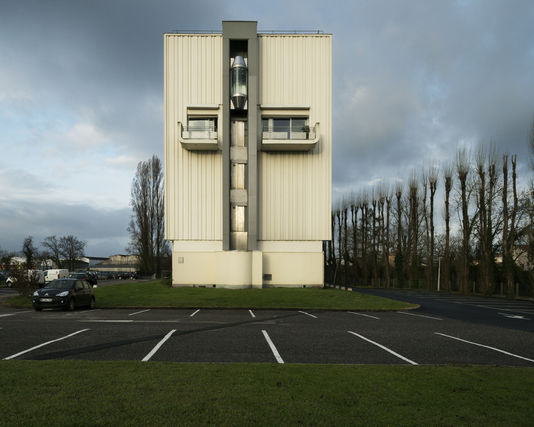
pixel 92 303
pixel 72 304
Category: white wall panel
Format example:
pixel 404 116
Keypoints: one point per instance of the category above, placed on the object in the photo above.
pixel 295 188
pixel 193 180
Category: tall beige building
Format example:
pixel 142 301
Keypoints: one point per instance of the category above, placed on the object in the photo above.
pixel 248 155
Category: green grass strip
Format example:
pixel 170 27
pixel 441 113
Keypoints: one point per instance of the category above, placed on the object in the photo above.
pixel 135 393
pixel 158 294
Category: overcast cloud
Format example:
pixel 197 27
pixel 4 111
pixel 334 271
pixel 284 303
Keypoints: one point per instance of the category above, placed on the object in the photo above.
pixel 81 95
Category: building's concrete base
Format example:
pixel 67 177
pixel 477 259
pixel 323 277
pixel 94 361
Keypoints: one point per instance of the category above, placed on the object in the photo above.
pixel 247 269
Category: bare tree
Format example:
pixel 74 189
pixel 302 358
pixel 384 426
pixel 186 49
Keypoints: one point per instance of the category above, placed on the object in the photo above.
pixel 146 225
pixel 413 229
pixel 399 255
pixel 71 248
pixel 52 244
pixel 462 169
pixel 354 224
pixel 433 183
pixel 29 251
pixel 387 239
pixel 447 176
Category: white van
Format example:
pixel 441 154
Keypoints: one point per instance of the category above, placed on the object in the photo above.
pixel 57 273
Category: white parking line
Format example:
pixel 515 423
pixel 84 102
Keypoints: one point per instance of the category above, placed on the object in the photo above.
pixel 43 344
pixel 419 315
pixel 106 321
pixel 13 314
pixel 308 314
pixel 364 315
pixel 273 348
pixel 252 314
pixel 522 311
pixel 158 345
pixel 383 348
pixel 514 316
pixel 192 314
pixel 139 312
pixel 485 346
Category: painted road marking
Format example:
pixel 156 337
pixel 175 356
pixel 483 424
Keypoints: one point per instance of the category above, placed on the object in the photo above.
pixel 106 321
pixel 308 314
pixel 514 316
pixel 192 314
pixel 383 348
pixel 158 345
pixel 13 314
pixel 364 315
pixel 43 344
pixel 251 313
pixel 485 346
pixel 139 312
pixel 419 315
pixel 505 309
pixel 272 346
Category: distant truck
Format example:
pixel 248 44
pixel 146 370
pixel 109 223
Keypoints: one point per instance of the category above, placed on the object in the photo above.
pixel 56 273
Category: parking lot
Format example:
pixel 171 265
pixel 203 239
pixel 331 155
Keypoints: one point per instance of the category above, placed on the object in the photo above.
pixel 192 335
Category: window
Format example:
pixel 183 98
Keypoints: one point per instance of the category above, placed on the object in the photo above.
pixel 285 128
pixel 201 128
pixel 202 124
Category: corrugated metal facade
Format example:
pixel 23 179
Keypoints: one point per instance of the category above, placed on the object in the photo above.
pixel 193 190
pixel 295 188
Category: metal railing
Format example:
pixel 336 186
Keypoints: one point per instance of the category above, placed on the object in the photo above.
pixel 283 132
pixel 196 132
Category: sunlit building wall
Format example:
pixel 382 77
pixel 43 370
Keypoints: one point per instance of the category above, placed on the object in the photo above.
pixel 248 156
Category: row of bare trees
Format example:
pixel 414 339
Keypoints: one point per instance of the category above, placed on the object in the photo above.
pixel 465 226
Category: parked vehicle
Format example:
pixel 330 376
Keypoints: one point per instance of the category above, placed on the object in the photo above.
pixel 37 275
pixel 128 275
pixel 3 276
pixel 64 293
pixel 85 275
pixel 57 273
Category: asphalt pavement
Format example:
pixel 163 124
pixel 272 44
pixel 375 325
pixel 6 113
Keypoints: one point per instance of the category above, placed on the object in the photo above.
pixel 425 336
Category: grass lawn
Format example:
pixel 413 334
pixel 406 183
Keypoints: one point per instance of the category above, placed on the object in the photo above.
pixel 135 393
pixel 158 294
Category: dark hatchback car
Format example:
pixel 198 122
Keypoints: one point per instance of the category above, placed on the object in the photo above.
pixel 64 293
pixel 86 275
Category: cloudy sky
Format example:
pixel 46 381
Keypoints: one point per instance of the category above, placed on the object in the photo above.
pixel 81 95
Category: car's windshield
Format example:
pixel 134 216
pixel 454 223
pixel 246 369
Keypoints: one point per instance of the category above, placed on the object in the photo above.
pixel 60 284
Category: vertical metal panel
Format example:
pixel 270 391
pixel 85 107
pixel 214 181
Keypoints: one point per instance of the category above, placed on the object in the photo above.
pixel 295 188
pixel 193 187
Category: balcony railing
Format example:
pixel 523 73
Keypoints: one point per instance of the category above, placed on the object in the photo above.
pixel 195 138
pixel 287 139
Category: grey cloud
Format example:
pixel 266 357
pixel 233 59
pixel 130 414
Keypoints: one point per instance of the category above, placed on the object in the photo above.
pixel 103 230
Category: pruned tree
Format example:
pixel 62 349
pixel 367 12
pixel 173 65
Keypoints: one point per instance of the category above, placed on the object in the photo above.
pixel 433 183
pixel 447 177
pixel 399 249
pixel 462 169
pixel 509 223
pixel 413 229
pixel 146 224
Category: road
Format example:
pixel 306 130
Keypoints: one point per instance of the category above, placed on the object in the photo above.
pixel 497 312
pixel 424 336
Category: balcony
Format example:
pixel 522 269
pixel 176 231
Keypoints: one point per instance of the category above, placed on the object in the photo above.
pixel 197 138
pixel 280 139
